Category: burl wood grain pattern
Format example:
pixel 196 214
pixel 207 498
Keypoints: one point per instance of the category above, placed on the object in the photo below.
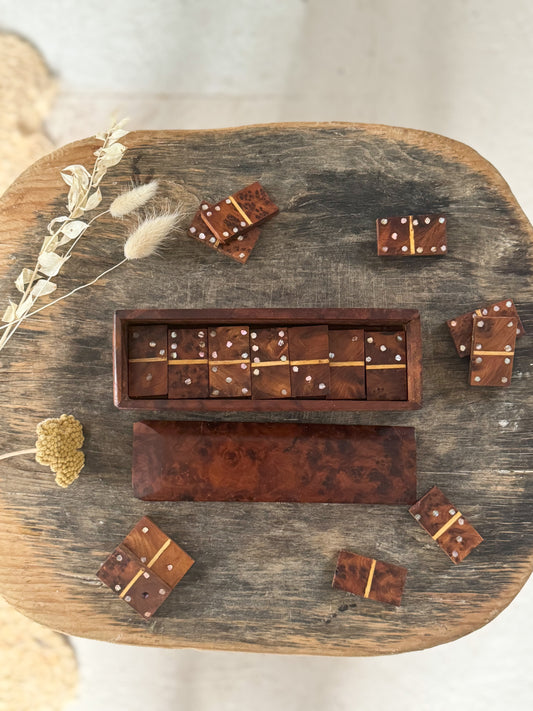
pixel 446 525
pixel 370 578
pixel 386 365
pixel 145 567
pixel 229 361
pixel 331 183
pixel 188 365
pixel 266 462
pixel 310 361
pixel 412 236
pixel 269 355
pixel 160 553
pixel 460 327
pixel 133 582
pixel 238 249
pixel 347 364
pixel 147 361
pixel 238 213
pixel 492 352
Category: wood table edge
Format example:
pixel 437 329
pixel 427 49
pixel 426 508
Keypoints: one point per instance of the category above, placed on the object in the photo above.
pixel 446 147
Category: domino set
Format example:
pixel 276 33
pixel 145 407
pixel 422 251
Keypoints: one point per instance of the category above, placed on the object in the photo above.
pixel 270 359
pixel 261 359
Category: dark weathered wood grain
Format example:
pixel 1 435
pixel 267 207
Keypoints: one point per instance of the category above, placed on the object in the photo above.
pixel 262 577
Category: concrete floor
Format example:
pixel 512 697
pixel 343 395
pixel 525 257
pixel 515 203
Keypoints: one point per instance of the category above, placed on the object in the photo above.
pixel 461 68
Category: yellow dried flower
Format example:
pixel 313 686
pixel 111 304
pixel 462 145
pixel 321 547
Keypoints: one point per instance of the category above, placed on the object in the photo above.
pixel 58 446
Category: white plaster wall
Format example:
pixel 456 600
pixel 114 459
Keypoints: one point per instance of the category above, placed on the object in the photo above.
pixel 462 68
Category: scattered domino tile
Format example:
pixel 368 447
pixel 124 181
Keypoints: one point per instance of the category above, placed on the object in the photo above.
pixel 309 359
pixel 460 327
pixel 147 361
pixel 385 365
pixel 188 370
pixel 347 364
pixel 229 361
pixel 238 248
pixel 145 567
pixel 412 236
pixel 492 352
pixel 446 525
pixel 369 578
pixel 238 213
pixel 269 355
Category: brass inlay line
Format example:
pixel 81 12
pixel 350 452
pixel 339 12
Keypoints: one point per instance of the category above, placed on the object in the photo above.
pixel 185 361
pixel 478 312
pixel 500 353
pixel 146 360
pixel 310 362
pixel 268 363
pixel 446 526
pixel 132 581
pixel 411 236
pixel 215 361
pixel 385 367
pixel 370 578
pixel 161 550
pixel 240 210
pixel 337 364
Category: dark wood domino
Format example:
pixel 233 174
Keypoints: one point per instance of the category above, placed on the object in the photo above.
pixel 145 567
pixel 460 327
pixel 238 213
pixel 147 361
pixel 159 552
pixel 369 578
pixel 347 364
pixel 492 351
pixel 385 365
pixel 446 525
pixel 269 354
pixel 188 371
pixel 309 359
pixel 238 248
pixel 412 236
pixel 229 361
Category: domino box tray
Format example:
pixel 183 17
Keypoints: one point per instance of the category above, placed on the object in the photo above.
pixel 141 370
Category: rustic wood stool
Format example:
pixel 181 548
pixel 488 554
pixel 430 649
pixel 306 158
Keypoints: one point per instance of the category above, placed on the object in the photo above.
pixel 263 572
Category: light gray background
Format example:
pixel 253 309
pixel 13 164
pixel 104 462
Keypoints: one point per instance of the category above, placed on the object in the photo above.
pixel 462 68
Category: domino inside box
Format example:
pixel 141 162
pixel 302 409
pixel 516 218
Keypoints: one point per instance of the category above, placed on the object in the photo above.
pixel 267 359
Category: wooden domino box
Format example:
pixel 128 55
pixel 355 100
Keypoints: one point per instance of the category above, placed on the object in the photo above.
pixel 237 359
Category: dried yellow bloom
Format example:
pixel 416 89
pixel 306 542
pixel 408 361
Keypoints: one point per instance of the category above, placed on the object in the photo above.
pixel 58 446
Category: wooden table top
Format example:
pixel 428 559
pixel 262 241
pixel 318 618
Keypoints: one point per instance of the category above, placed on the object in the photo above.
pixel 263 572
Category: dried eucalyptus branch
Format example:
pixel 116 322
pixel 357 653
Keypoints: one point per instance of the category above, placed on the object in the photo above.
pixel 65 231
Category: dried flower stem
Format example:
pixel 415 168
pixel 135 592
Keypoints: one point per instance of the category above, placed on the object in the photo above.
pixel 84 195
pixel 16 454
pixel 73 291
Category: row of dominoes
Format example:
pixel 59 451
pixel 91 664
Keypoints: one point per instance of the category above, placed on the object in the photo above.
pixel 231 227
pixel 488 335
pixel 266 362
pixel 146 566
